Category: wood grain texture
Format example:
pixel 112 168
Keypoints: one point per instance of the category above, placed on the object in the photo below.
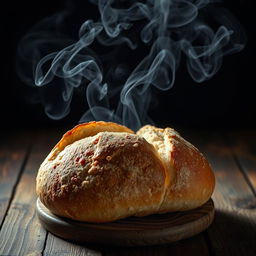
pixel 233 231
pixel 243 146
pixel 21 233
pixel 59 247
pixel 149 230
pixel 13 151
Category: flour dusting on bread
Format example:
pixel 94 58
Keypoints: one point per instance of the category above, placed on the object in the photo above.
pixel 100 172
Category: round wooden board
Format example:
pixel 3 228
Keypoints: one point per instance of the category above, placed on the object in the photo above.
pixel 132 231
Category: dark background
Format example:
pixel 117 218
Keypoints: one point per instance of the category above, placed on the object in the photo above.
pixel 225 101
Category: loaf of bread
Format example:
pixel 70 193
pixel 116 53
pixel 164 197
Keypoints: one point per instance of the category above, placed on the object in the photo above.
pixel 101 172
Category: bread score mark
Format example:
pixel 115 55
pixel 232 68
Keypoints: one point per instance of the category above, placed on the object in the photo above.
pixel 86 130
pixel 161 143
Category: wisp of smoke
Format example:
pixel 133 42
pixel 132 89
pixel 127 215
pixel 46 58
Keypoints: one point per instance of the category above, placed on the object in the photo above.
pixel 199 30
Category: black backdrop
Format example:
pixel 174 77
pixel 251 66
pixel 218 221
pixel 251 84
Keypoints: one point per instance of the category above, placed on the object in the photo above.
pixel 227 100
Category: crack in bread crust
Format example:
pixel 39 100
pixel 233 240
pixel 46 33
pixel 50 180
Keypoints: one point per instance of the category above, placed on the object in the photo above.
pixel 86 130
pixel 191 180
pixel 160 141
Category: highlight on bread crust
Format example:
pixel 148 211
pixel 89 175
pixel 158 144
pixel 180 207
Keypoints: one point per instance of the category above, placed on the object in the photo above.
pixel 102 172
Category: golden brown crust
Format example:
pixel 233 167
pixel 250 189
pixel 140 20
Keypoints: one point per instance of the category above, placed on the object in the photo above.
pixel 191 181
pixel 101 172
pixel 85 130
pixel 102 178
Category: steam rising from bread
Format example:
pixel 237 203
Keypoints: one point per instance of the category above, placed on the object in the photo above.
pixel 157 33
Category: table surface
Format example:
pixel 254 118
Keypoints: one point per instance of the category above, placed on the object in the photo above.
pixel 232 155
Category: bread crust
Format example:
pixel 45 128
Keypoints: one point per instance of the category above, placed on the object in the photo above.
pixel 101 178
pixel 86 130
pixel 191 179
pixel 101 172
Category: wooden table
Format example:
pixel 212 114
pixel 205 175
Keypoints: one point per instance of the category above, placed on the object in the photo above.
pixel 232 155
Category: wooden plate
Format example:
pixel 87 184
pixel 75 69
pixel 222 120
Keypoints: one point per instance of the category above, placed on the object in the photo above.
pixel 149 230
